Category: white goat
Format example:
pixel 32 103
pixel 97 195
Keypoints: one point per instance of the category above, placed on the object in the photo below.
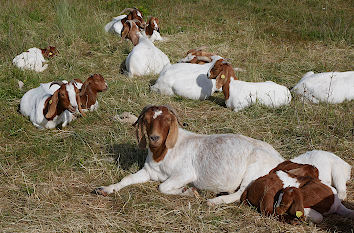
pixel 240 94
pixel 145 58
pixel 332 169
pixel 116 25
pixel 177 157
pixel 187 80
pixel 47 110
pixel 34 59
pixel 331 87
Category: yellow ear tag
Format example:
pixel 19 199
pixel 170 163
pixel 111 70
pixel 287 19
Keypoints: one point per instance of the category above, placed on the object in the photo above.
pixel 222 76
pixel 50 54
pixel 299 214
pixel 50 101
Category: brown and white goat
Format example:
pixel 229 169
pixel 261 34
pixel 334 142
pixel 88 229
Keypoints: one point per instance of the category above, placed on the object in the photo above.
pixel 134 14
pixel 262 192
pixel 313 199
pixel 47 110
pixel 152 30
pixel 89 90
pixel 197 56
pixel 34 58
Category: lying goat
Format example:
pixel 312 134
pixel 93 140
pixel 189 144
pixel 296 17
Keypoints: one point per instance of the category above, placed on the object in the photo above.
pixel 329 87
pixel 116 25
pixel 145 58
pixel 152 30
pixel 197 56
pixel 177 157
pixel 34 59
pixel 313 199
pixel 89 90
pixel 239 94
pixel 48 111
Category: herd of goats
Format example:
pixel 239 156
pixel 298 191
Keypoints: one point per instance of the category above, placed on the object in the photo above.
pixel 235 167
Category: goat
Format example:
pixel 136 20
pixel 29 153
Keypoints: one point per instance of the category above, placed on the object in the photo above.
pixel 152 30
pixel 313 199
pixel 334 171
pixel 89 89
pixel 197 56
pixel 177 157
pixel 145 58
pixel 116 25
pixel 48 111
pixel 329 87
pixel 34 58
pixel 239 94
pixel 261 192
pixel 187 80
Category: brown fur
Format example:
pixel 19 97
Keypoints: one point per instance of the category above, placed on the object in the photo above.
pixel 162 132
pixel 220 68
pixel 133 15
pixel 130 31
pixel 199 53
pixel 88 93
pixel 149 29
pixel 296 169
pixel 49 52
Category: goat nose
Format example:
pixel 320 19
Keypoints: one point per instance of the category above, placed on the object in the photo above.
pixel 154 138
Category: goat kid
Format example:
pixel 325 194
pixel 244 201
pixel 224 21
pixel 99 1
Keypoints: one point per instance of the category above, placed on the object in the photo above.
pixel 152 30
pixel 197 56
pixel 262 192
pixel 145 58
pixel 48 111
pixel 34 58
pixel 116 25
pixel 177 157
pixel 240 94
pixel 187 80
pixel 314 199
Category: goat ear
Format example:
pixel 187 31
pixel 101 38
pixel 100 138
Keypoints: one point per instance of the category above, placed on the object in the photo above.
pixel 140 133
pixel 220 79
pixel 172 134
pixel 78 100
pixel 125 31
pixel 53 105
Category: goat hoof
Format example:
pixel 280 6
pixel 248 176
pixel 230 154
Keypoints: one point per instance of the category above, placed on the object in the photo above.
pixel 99 191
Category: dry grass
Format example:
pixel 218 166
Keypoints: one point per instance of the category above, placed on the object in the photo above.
pixel 47 176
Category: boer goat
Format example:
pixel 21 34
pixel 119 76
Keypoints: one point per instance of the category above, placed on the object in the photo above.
pixel 116 25
pixel 152 30
pixel 177 157
pixel 34 58
pixel 197 56
pixel 239 94
pixel 47 110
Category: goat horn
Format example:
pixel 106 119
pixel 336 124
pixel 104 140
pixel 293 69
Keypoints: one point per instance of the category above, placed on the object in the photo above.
pixel 204 58
pixel 56 82
pixel 127 9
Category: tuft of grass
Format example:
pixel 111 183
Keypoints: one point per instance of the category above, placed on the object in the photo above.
pixel 47 175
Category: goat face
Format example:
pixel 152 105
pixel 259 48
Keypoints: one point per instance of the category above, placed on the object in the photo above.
pixel 154 23
pixel 63 99
pixel 291 201
pixel 98 83
pixel 49 52
pixel 160 124
pixel 222 71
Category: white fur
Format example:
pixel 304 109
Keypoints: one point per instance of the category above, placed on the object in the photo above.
pixel 115 26
pixel 287 180
pixel 332 170
pixel 31 60
pixel 155 36
pixel 218 163
pixel 187 80
pixel 243 94
pixel 331 87
pixel 145 58
pixel 157 113
pixel 32 105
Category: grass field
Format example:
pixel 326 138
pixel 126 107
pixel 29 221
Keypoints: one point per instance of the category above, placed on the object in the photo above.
pixel 47 175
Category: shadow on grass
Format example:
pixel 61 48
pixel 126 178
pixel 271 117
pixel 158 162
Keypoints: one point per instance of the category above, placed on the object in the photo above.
pixel 126 155
pixel 217 100
pixel 152 82
pixel 122 68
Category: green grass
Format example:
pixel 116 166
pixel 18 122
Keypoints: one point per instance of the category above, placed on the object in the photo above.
pixel 47 175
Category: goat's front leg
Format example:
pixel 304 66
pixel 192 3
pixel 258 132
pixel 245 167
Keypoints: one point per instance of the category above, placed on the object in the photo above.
pixel 141 176
pixel 175 185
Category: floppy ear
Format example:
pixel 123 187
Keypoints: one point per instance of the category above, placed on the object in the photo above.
pixel 311 172
pixel 172 134
pixel 220 79
pixel 140 133
pixel 125 31
pixel 53 105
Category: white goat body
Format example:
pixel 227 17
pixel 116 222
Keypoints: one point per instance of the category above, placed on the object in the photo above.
pixel 31 60
pixel 332 169
pixel 145 58
pixel 331 87
pixel 33 101
pixel 115 26
pixel 244 94
pixel 187 80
